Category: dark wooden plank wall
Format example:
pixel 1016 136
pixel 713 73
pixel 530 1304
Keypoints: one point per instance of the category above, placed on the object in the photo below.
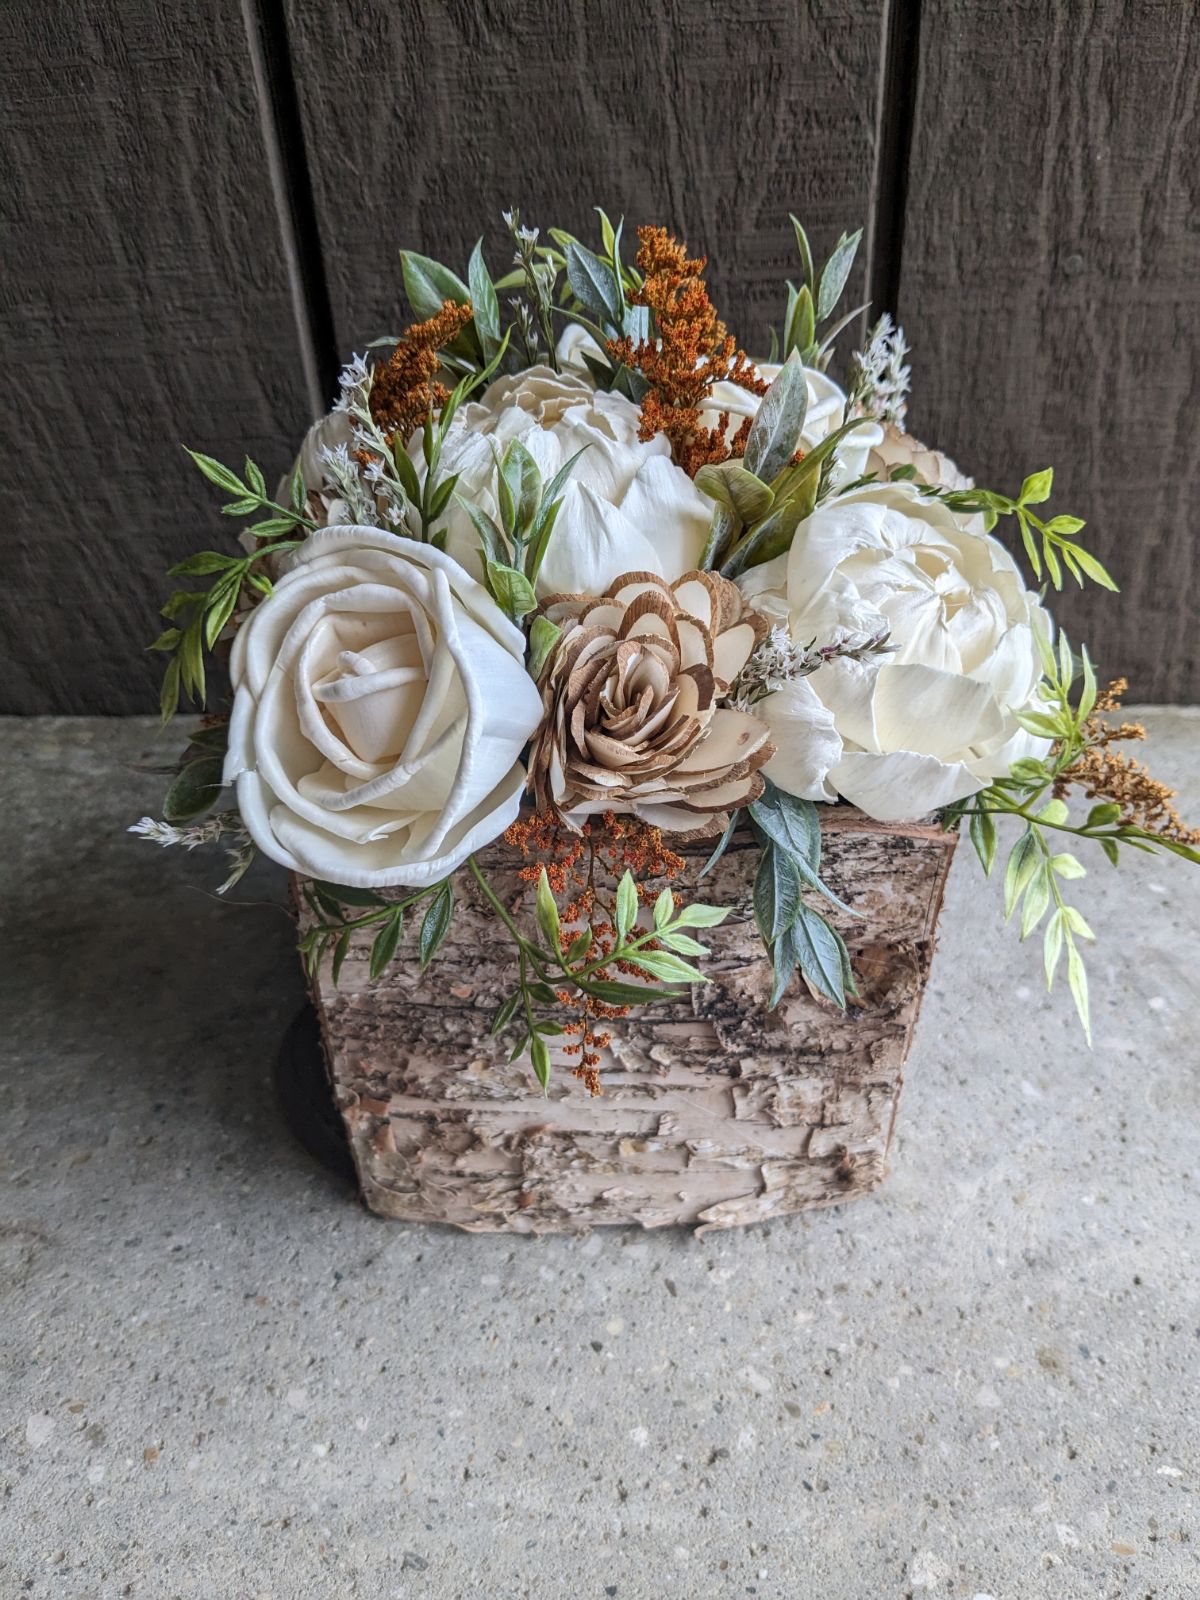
pixel 193 238
pixel 144 302
pixel 1050 282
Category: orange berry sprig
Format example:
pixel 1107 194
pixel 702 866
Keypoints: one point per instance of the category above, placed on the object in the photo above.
pixel 691 352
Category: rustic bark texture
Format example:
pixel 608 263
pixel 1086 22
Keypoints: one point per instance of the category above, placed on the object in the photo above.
pixel 715 1111
pixel 1050 281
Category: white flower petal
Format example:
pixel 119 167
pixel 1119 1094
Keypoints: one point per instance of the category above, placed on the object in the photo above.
pixel 902 785
pixel 806 742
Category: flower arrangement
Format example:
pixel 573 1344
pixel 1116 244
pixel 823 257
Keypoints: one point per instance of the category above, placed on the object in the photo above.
pixel 565 566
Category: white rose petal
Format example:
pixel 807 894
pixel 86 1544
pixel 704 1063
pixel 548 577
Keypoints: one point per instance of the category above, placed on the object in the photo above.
pixel 807 744
pixel 381 703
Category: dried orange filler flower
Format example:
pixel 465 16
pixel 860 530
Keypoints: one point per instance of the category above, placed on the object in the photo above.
pixel 405 390
pixel 692 352
pixel 1107 774
pixel 583 866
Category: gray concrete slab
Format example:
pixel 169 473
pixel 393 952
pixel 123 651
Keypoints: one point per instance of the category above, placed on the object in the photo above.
pixel 223 1379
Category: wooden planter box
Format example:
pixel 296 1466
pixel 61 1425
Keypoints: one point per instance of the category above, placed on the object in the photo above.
pixel 715 1111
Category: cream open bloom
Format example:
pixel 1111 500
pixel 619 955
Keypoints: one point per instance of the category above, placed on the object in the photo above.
pixel 626 504
pixel 905 734
pixel 381 704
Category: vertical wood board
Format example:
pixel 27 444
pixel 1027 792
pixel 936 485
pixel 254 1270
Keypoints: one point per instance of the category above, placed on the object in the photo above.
pixel 1050 285
pixel 423 123
pixel 144 304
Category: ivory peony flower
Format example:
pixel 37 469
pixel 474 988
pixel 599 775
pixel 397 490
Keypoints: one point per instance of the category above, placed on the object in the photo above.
pixel 901 735
pixel 626 506
pixel 381 704
pixel 632 720
pixel 900 449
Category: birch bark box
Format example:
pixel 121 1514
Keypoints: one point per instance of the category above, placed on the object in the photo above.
pixel 715 1111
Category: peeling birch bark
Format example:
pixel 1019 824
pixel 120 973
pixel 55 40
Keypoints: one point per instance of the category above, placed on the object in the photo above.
pixel 714 1112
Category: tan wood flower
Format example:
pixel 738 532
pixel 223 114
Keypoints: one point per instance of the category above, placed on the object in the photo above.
pixel 634 720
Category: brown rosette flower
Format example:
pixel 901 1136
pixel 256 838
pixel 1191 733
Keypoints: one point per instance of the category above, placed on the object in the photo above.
pixel 633 715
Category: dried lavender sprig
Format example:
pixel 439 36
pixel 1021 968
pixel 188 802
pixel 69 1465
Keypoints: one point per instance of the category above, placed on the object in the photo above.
pixel 778 660
pixel 226 825
pixel 880 378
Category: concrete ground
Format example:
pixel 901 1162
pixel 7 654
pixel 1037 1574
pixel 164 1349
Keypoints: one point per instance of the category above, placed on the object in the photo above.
pixel 224 1379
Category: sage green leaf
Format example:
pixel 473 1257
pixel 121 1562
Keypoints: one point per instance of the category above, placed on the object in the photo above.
pixel 167 640
pixel 539 1056
pixel 776 893
pixel 1095 571
pixel 1022 864
pixel 627 905
pixel 512 589
pixel 800 324
pixel 385 944
pixel 483 300
pixel 791 823
pixel 340 952
pixel 546 912
pixel 775 431
pixel 806 255
pixel 1054 812
pixel 428 284
pixel 820 954
pixel 436 924
pixel 543 636
pixel 522 482
pixel 1078 984
pixel 505 1012
pixel 593 284
pixel 722 845
pixel 492 541
pixel 739 491
pixel 664 909
pixel 1052 943
pixel 168 694
pixel 580 946
pixel 836 272
pixel 194 790
pixel 254 477
pixel 1037 899
pixel 982 831
pixel 783 963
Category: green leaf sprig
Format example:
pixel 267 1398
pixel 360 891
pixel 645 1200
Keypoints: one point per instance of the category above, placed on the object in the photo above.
pixel 545 968
pixel 1037 868
pixel 334 925
pixel 796 936
pixel 815 301
pixel 199 615
pixel 513 552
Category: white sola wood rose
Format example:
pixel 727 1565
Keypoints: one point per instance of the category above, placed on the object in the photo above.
pixel 626 505
pixel 381 704
pixel 933 721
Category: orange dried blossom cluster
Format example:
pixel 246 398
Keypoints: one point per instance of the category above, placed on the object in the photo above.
pixel 405 388
pixel 692 352
pixel 584 867
pixel 1103 773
